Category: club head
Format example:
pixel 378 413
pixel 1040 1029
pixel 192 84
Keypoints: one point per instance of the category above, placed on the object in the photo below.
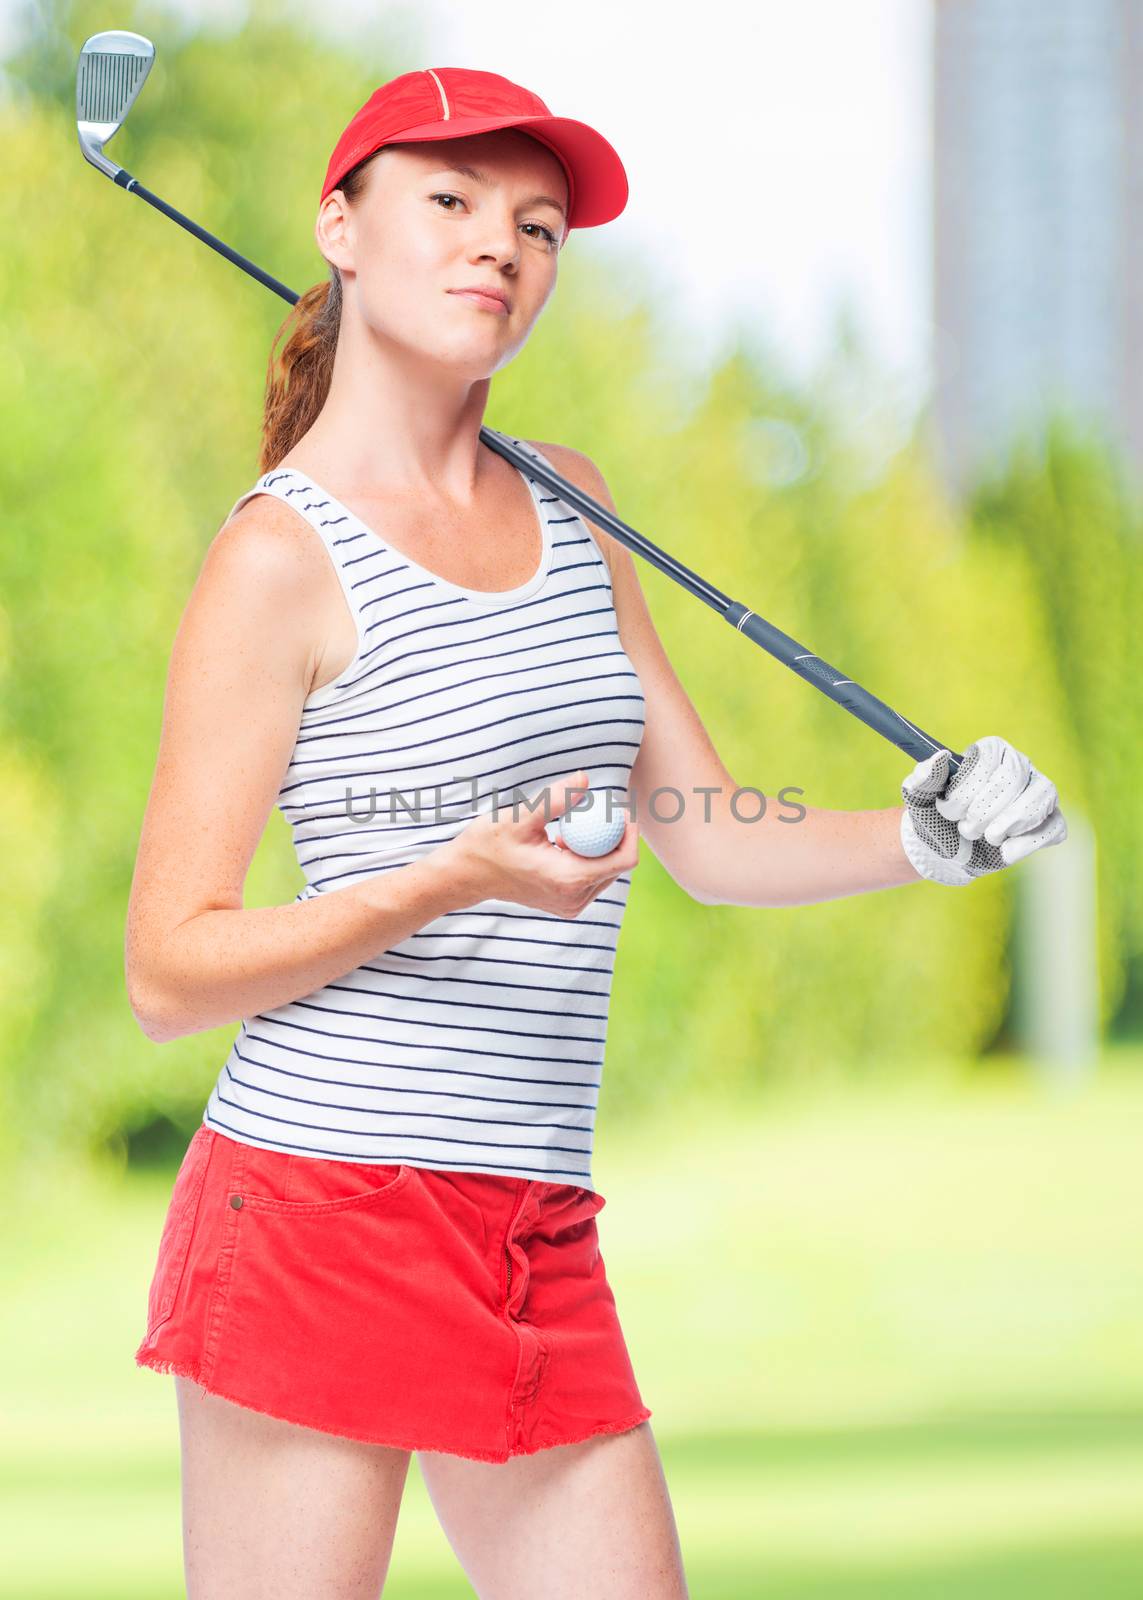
pixel 113 67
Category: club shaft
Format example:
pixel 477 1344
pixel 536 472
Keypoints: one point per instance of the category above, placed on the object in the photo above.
pixel 133 186
pixel 842 690
pixel 809 666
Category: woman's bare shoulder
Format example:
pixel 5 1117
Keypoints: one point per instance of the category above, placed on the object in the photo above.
pixel 264 529
pixel 266 577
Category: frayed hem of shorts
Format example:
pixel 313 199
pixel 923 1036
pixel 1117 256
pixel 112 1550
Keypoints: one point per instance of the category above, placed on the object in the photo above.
pixel 183 1369
pixel 641 1415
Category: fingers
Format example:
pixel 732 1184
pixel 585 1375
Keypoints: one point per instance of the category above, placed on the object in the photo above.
pixel 1054 830
pixel 1026 812
pixel 626 852
pixel 928 777
pixel 558 798
pixel 998 776
pixel 568 791
pixel 995 794
pixel 595 872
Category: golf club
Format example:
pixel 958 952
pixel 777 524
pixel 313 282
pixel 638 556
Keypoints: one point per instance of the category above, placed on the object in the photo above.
pixel 112 69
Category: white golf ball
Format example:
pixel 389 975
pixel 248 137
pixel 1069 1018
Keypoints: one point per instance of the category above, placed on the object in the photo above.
pixel 587 829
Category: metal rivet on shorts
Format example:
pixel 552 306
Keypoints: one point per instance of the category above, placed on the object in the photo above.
pixel 236 1201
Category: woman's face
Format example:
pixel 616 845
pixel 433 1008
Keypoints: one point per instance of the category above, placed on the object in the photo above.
pixel 422 231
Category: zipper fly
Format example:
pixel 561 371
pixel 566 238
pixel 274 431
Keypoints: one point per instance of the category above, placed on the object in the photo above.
pixel 507 1251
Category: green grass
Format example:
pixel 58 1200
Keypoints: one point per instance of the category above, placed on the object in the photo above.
pixel 892 1338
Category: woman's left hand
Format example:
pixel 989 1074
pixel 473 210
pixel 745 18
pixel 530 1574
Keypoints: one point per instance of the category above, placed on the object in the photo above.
pixel 996 810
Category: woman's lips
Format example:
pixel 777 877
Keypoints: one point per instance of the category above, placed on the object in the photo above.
pixel 487 301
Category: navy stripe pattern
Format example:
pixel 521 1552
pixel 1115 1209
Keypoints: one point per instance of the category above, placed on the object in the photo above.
pixel 476 1044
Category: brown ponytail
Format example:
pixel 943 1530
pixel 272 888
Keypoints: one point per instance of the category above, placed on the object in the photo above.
pixel 298 378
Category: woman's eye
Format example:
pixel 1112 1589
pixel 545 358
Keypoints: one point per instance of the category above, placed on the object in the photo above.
pixel 547 232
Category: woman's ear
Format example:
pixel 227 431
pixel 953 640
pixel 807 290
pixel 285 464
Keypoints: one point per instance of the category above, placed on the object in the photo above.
pixel 333 231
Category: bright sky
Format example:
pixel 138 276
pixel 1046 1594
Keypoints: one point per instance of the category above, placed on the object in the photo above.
pixel 778 153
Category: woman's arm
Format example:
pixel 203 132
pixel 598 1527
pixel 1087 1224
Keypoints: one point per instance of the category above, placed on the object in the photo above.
pixel 783 858
pixel 244 658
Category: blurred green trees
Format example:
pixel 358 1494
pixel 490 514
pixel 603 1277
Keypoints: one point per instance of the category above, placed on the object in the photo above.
pixel 134 360
pixel 1070 508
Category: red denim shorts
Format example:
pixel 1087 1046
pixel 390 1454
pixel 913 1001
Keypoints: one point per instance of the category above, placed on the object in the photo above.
pixel 426 1310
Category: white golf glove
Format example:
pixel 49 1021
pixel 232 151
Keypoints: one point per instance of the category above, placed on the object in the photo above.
pixel 996 810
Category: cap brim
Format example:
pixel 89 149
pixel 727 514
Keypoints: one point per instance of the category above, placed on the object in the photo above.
pixel 596 174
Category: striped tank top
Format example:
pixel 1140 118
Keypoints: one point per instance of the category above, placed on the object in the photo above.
pixel 477 1043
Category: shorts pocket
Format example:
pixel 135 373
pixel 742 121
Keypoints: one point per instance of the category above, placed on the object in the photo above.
pixel 178 1228
pixel 315 1186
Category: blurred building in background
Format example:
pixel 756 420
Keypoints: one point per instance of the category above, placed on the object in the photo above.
pixel 1038 220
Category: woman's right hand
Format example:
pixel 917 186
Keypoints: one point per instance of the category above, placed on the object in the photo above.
pixel 513 859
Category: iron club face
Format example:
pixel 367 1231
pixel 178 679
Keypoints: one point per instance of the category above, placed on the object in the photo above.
pixel 113 67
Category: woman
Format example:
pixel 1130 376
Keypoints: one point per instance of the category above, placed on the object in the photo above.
pixel 382 1237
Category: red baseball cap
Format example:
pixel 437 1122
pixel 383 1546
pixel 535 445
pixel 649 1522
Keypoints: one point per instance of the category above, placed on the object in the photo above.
pixel 451 102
